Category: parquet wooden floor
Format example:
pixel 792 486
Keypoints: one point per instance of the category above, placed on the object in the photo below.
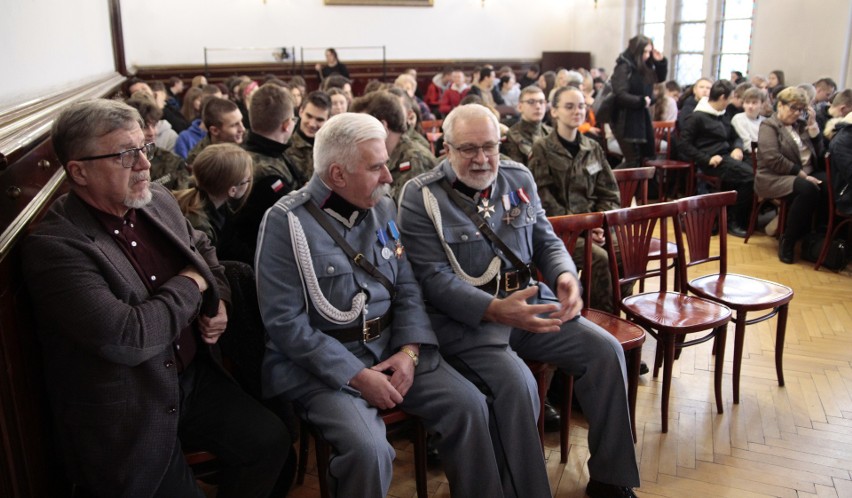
pixel 792 441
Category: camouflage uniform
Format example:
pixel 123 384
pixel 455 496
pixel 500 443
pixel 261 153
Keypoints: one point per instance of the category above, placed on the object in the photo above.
pixel 201 145
pixel 300 152
pixel 169 170
pixel 416 136
pixel 520 139
pixel 407 160
pixel 581 184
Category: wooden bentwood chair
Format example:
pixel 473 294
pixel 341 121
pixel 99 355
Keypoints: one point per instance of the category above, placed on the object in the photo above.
pixel 741 293
pixel 837 219
pixel 432 131
pixel 569 228
pixel 667 315
pixel 667 167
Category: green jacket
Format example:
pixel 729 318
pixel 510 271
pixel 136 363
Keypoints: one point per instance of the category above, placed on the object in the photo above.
pixel 407 160
pixel 520 139
pixel 301 154
pixel 169 170
pixel 571 185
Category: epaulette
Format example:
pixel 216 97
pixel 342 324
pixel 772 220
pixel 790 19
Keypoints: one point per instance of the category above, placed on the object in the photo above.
pixel 292 200
pixel 426 178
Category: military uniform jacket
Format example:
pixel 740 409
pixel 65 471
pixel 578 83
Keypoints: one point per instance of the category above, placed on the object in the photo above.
pixel 455 306
pixel 201 145
pixel 108 342
pixel 416 136
pixel 520 139
pixel 169 170
pixel 570 185
pixel 301 155
pixel 299 356
pixel 407 160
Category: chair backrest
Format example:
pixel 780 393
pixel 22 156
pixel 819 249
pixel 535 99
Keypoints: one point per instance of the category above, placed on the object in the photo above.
pixel 629 231
pixel 754 157
pixel 569 228
pixel 632 181
pixel 663 132
pixel 432 130
pixel 696 218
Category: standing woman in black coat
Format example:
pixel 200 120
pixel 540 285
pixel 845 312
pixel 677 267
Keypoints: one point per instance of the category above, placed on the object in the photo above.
pixel 636 72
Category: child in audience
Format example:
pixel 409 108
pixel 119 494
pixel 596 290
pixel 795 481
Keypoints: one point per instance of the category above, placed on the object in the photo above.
pixel 747 123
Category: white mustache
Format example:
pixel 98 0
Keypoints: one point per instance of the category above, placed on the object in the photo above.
pixel 139 177
pixel 380 191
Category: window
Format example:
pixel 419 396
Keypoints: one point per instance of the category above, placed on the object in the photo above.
pixel 708 37
pixel 735 38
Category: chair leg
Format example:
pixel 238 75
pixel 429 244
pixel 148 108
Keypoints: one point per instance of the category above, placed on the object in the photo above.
pixel 721 335
pixel 752 220
pixel 633 386
pixel 420 459
pixel 779 343
pixel 565 415
pixel 658 357
pixel 323 451
pixel 668 366
pixel 541 383
pixel 739 342
pixel 829 235
pixel 304 441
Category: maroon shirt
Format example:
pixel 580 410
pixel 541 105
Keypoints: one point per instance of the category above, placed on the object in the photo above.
pixel 156 259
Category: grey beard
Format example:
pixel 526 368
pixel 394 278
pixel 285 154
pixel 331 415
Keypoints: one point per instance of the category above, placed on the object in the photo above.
pixel 380 191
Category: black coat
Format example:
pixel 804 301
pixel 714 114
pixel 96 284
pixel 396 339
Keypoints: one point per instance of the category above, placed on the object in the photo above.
pixel 705 135
pixel 631 119
pixel 840 147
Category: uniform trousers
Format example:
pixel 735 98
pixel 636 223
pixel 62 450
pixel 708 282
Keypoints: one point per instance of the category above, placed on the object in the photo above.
pixel 596 360
pixel 451 409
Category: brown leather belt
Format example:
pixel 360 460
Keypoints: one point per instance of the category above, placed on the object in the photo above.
pixel 369 331
pixel 511 281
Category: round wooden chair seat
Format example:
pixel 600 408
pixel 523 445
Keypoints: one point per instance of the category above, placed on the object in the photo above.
pixel 675 312
pixel 741 292
pixel 628 334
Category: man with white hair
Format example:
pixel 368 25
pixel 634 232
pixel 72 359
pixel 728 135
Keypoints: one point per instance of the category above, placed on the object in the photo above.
pixel 475 227
pixel 348 333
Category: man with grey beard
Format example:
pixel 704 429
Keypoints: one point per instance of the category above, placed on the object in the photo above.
pixel 130 301
pixel 348 334
pixel 477 233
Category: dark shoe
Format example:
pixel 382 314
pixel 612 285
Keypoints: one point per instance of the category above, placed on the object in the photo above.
pixel 737 230
pixel 786 250
pixel 433 458
pixel 597 489
pixel 551 418
pixel 643 368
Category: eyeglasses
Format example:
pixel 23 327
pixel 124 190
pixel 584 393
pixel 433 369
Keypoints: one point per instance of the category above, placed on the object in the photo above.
pixel 534 102
pixel 130 157
pixel 471 151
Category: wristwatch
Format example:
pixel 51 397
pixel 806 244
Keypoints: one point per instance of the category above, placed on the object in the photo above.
pixel 410 352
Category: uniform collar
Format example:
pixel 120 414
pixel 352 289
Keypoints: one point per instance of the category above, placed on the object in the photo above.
pixel 334 205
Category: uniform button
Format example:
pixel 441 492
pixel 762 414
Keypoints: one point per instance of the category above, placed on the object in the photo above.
pixel 171 410
pixel 177 347
pixel 153 278
pixel 329 270
pixel 133 244
pixel 464 236
pixel 169 363
pixel 115 232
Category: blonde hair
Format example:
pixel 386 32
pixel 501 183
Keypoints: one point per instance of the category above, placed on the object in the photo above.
pixel 216 169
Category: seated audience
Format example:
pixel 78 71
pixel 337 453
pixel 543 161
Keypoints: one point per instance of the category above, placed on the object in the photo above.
pixel 508 86
pixel 440 82
pixel 787 160
pixel 341 360
pixel 175 90
pixel 665 106
pixel 297 88
pixel 191 110
pixel 737 77
pixel 167 168
pixel 530 76
pixel 484 86
pixel 337 81
pixel 709 140
pixel 170 112
pixel 412 117
pixel 457 90
pixel 315 110
pixel 735 103
pixel 339 102
pixel 198 81
pixel 573 176
pixel 522 135
pixel 690 98
pixel 408 83
pixel 775 82
pixel 747 123
pixel 841 106
pixel 840 147
pixel 825 89
pixel 130 303
pixel 222 175
pixel 224 123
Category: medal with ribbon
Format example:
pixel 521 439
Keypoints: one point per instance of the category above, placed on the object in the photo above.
pixel 395 234
pixel 383 240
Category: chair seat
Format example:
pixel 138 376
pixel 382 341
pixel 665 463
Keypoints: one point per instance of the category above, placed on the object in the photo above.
pixel 629 334
pixel 654 249
pixel 667 164
pixel 741 291
pixel 676 312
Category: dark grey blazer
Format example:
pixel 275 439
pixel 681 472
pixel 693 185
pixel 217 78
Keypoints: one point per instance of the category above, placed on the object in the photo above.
pixel 108 342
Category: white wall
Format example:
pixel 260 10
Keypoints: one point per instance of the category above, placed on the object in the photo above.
pixel 451 29
pixel 804 39
pixel 48 45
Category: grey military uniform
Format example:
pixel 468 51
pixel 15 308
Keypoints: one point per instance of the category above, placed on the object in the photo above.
pixel 407 160
pixel 313 369
pixel 169 170
pixel 520 139
pixel 301 153
pixel 580 184
pixel 488 352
